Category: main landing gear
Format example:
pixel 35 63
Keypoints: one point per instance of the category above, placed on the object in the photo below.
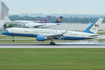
pixel 13 38
pixel 52 42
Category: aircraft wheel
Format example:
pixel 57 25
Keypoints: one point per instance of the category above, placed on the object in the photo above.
pixel 13 40
pixel 52 43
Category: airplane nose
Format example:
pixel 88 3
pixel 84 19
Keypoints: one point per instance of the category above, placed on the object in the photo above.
pixel 4 32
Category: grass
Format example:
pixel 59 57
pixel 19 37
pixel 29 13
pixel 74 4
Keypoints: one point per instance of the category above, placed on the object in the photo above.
pixel 102 33
pixel 23 41
pixel 52 59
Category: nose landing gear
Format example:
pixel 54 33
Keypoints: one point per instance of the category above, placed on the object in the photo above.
pixel 13 38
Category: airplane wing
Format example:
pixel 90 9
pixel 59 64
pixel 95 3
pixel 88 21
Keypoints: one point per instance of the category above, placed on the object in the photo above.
pixel 56 36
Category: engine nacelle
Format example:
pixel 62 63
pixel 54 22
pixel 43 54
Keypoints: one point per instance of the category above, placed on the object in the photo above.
pixel 41 38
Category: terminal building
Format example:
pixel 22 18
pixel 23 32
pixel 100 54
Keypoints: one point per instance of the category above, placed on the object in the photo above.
pixel 3 14
pixel 3 10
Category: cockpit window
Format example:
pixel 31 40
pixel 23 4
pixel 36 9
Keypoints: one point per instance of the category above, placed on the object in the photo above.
pixel 6 30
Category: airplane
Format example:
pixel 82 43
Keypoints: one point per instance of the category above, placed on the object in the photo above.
pixel 46 20
pixel 48 34
pixel 43 25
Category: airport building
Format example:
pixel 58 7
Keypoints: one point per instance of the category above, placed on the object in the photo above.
pixel 3 10
pixel 3 14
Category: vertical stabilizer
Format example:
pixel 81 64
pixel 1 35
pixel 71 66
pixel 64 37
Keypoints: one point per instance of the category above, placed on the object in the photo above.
pixel 47 19
pixel 58 20
pixel 93 28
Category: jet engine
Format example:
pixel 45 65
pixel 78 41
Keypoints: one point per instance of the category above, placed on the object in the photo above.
pixel 41 38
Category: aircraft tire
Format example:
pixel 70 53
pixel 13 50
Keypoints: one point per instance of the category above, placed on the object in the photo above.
pixel 52 43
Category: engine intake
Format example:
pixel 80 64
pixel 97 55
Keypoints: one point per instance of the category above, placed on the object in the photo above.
pixel 41 38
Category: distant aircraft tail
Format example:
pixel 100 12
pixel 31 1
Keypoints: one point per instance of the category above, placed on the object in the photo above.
pixel 46 20
pixel 38 20
pixel 93 28
pixel 58 20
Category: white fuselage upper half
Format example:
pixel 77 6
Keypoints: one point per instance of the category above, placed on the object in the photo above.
pixel 70 35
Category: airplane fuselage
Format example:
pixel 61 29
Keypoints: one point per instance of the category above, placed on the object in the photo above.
pixel 70 35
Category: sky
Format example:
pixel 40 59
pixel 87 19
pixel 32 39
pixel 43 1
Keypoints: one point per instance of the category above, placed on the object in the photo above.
pixel 56 6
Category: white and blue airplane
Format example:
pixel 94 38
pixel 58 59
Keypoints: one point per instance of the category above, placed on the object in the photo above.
pixel 46 34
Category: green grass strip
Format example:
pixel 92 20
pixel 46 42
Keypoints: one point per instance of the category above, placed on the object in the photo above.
pixel 52 59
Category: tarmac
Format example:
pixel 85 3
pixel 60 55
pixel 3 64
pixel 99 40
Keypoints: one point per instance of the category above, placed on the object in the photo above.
pixel 72 26
pixel 75 26
pixel 52 46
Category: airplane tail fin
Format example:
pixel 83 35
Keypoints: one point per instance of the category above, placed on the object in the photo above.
pixel 58 20
pixel 93 28
pixel 46 19
pixel 38 18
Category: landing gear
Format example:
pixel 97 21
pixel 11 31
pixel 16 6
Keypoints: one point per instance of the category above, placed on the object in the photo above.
pixel 13 38
pixel 52 42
